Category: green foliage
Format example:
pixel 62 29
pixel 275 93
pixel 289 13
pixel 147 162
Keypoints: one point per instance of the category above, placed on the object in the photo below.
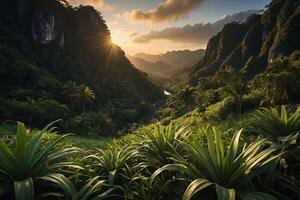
pixel 271 123
pixel 92 124
pixel 229 171
pixel 83 95
pixel 279 81
pixel 164 162
pixel 159 142
pixel 92 189
pixel 33 70
pixel 34 112
pixel 19 168
pixel 220 110
pixel 113 163
pixel 207 98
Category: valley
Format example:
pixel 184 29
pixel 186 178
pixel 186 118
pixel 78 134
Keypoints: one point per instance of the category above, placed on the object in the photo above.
pixel 93 106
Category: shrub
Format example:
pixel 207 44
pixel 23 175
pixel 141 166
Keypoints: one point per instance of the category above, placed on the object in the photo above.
pixel 220 110
pixel 92 124
pixel 229 172
pixel 159 142
pixel 251 100
pixel 271 123
pixel 35 112
pixel 92 189
pixel 20 167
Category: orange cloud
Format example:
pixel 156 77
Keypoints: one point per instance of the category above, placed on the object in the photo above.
pixel 96 3
pixel 194 34
pixel 168 11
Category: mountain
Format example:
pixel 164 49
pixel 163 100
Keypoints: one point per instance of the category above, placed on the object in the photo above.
pixel 167 69
pixel 154 69
pixel 47 44
pixel 176 59
pixel 252 45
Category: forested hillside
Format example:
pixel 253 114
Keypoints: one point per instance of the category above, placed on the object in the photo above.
pixel 246 65
pixel 167 69
pixel 59 62
pixel 252 45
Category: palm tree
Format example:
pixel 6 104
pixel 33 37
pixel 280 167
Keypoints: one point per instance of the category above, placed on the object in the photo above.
pixel 83 95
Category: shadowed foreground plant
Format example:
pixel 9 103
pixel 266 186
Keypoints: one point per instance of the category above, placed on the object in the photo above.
pixel 114 165
pixel 160 142
pixel 271 123
pixel 20 167
pixel 93 189
pixel 227 171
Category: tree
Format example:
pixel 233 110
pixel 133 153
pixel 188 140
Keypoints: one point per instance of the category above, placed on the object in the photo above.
pixel 83 95
pixel 186 96
pixel 235 85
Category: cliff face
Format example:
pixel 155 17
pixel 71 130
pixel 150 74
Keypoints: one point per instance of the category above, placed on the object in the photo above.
pixel 255 43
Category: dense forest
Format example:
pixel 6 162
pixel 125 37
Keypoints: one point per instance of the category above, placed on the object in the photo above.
pixel 58 62
pixel 79 121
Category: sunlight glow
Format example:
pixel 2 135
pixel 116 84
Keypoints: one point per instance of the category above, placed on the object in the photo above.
pixel 115 39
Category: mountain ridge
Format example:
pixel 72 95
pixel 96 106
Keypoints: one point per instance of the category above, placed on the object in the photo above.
pixel 253 44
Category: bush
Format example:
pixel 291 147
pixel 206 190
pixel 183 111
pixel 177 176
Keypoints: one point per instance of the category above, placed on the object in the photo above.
pixel 251 100
pixel 21 167
pixel 220 110
pixel 279 83
pixel 34 112
pixel 271 123
pixel 218 173
pixel 92 124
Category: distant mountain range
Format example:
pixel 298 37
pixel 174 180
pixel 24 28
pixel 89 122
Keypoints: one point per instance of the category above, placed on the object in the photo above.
pixel 154 69
pixel 176 59
pixel 174 65
pixel 162 65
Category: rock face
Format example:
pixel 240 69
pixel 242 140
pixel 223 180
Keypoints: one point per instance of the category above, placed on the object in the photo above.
pixel 255 43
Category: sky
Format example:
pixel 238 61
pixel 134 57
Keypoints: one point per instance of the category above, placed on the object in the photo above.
pixel 131 21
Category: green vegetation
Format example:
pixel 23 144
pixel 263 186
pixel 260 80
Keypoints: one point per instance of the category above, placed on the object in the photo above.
pixel 79 76
pixel 168 162
pixel 20 168
pixel 230 133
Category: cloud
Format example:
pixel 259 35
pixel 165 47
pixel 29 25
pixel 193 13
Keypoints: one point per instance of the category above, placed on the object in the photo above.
pixel 133 35
pixel 168 11
pixel 96 3
pixel 197 33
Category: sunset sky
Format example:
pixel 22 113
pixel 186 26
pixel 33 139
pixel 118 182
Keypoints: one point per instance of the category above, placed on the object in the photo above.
pixel 152 26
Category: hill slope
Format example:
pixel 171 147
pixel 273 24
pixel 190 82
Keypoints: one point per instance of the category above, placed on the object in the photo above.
pixel 46 44
pixel 176 59
pixel 153 69
pixel 252 45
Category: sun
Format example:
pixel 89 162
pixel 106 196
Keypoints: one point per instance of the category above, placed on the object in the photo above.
pixel 115 39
